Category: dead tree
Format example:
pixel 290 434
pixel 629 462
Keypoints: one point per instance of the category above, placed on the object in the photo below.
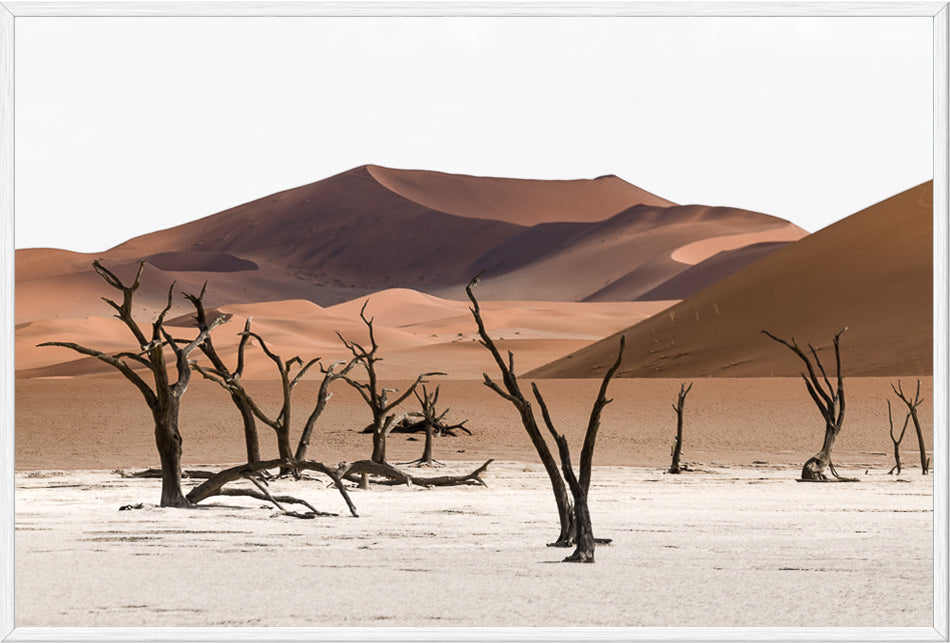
pixel 164 396
pixel 896 439
pixel 232 379
pixel 678 444
pixel 583 533
pixel 572 509
pixel 829 400
pixel 430 419
pixel 375 396
pixel 912 410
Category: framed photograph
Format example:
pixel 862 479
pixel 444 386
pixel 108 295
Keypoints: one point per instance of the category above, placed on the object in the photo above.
pixel 473 321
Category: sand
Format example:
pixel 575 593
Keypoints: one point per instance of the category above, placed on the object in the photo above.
pixel 102 423
pixel 871 272
pixel 737 546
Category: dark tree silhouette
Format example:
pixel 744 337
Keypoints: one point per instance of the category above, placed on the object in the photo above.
pixel 678 445
pixel 231 379
pixel 376 396
pixel 912 405
pixel 430 419
pixel 164 396
pixel 829 400
pixel 573 510
pixel 896 439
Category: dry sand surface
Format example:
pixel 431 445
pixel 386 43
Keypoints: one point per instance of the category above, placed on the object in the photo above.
pixel 736 546
pixel 101 422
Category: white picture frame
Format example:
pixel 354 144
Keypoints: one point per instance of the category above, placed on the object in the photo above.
pixel 10 12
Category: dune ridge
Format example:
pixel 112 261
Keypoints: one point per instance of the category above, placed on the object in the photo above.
pixel 871 272
pixel 371 228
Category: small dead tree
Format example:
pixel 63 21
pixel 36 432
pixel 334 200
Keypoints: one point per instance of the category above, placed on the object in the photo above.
pixel 678 444
pixel 912 405
pixel 375 396
pixel 573 510
pixel 896 439
pixel 829 400
pixel 164 396
pixel 430 419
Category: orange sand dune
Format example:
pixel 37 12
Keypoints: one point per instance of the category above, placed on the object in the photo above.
pixel 416 333
pixel 521 201
pixel 621 258
pixel 373 228
pixel 871 272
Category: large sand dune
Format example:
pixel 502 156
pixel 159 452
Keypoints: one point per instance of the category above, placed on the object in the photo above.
pixel 374 228
pixel 871 273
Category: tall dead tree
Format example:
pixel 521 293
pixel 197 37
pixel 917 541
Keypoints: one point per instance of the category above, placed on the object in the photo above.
pixel 232 379
pixel 829 400
pixel 678 444
pixel 164 396
pixel 896 439
pixel 912 405
pixel 375 396
pixel 573 510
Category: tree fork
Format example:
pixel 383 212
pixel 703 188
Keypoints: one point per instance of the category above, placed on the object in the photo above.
pixel 912 410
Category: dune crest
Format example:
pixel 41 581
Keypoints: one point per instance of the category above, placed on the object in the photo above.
pixel 871 272
pixel 522 201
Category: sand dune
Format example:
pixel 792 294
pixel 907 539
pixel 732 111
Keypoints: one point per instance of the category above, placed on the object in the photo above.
pixel 871 272
pixel 416 332
pixel 373 228
pixel 623 257
pixel 522 201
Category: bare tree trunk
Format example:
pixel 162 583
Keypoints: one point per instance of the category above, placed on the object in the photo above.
pixel 912 405
pixel 678 445
pixel 816 466
pixel 168 443
pixel 896 439
pixel 251 440
pixel 427 447
pixel 379 446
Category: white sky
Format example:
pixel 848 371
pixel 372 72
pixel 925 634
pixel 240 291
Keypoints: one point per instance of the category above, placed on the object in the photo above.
pixel 124 126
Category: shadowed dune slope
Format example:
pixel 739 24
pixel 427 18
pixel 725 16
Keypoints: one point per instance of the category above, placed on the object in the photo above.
pixel 623 257
pixel 871 272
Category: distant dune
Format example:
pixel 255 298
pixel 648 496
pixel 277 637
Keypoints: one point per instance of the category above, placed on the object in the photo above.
pixel 373 228
pixel 871 272
pixel 416 332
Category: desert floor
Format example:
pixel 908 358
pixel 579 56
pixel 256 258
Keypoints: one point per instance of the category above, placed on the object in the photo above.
pixel 724 546
pixel 738 542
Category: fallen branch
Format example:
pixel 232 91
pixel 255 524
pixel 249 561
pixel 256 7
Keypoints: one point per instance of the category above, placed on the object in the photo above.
pixel 213 486
pixel 354 472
